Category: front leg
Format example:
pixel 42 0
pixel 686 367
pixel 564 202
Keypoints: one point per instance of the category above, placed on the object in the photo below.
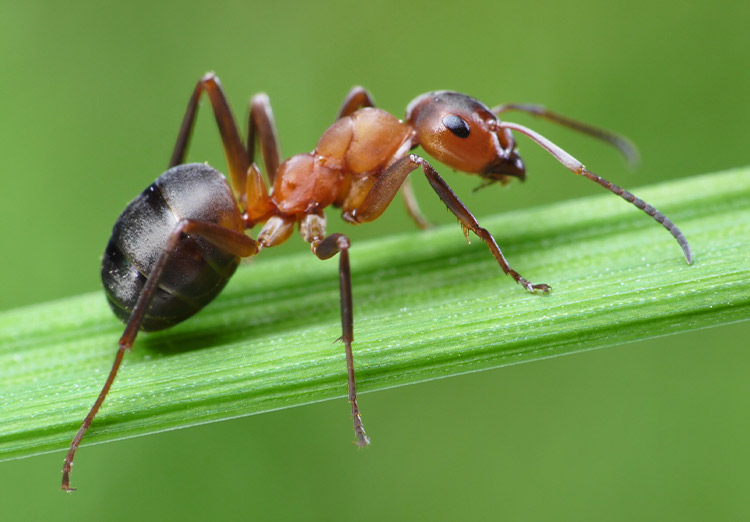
pixel 384 189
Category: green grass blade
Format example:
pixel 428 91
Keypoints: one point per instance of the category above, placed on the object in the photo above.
pixel 426 306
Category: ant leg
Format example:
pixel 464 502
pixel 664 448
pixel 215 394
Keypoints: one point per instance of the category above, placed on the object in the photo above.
pixel 576 167
pixel 328 247
pixel 624 145
pixel 385 188
pixel 313 228
pixel 412 207
pixel 234 150
pixel 226 239
pixel 257 202
pixel 357 98
pixel 262 123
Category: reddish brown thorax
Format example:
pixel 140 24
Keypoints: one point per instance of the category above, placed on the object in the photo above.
pixel 349 156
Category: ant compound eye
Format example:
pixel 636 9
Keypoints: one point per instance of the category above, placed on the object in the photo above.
pixel 457 125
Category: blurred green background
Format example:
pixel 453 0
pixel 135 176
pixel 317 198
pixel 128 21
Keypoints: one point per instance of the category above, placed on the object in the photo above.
pixel 91 98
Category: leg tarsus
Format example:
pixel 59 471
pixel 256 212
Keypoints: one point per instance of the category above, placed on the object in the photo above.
pixel 125 342
pixel 540 288
pixel 489 240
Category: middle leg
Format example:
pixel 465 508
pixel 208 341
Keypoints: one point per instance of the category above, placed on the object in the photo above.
pixel 313 229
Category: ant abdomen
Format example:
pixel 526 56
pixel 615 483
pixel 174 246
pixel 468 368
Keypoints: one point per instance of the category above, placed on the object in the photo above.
pixel 197 270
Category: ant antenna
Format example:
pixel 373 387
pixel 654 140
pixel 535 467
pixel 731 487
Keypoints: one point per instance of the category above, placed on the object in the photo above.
pixel 576 167
pixel 626 147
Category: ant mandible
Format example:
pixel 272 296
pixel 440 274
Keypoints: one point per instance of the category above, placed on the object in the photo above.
pixel 175 246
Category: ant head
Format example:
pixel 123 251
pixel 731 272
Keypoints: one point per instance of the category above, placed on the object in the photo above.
pixel 464 134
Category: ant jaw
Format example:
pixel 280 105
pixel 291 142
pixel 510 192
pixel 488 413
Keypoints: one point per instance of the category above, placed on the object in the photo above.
pixel 501 168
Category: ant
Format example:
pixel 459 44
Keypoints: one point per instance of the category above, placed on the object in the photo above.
pixel 176 245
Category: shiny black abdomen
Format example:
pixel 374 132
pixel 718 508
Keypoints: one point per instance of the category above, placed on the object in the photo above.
pixel 197 270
